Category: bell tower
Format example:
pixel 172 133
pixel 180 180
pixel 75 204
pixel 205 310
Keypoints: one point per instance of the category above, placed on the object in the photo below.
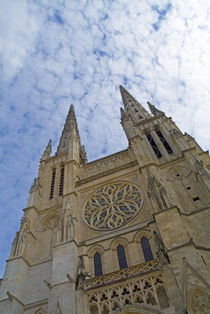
pixel 126 233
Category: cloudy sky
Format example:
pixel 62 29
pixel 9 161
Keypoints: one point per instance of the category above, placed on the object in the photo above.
pixel 54 53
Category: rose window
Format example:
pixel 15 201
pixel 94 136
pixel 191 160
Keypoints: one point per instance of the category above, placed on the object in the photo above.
pixel 112 206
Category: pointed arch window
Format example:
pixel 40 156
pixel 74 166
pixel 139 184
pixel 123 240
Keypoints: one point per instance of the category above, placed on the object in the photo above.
pixel 61 180
pixel 52 187
pixel 98 264
pixel 164 142
pixel 121 256
pixel 154 146
pixel 148 256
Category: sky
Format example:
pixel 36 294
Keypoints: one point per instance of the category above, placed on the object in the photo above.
pixel 55 53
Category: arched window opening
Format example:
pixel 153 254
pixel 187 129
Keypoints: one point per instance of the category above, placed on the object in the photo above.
pixel 121 257
pixel 154 146
pixel 98 264
pixel 164 142
pixel 52 183
pixel 148 256
pixel 61 181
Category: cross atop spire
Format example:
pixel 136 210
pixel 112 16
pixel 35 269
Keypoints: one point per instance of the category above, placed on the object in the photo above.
pixel 133 107
pixel 70 130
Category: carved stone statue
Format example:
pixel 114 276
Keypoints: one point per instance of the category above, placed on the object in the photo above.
pixel 81 274
pixel 161 249
pixel 157 191
pixel 22 236
pixel 66 224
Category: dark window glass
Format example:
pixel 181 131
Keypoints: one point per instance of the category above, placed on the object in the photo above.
pixel 61 181
pixel 154 146
pixel 148 256
pixel 98 264
pixel 121 257
pixel 52 183
pixel 165 143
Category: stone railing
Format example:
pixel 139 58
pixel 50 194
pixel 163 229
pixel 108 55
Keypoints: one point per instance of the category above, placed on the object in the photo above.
pixel 122 274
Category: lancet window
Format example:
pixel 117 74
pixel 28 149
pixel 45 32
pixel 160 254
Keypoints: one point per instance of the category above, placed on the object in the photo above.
pixel 121 256
pixel 148 256
pixel 52 187
pixel 98 264
pixel 154 146
pixel 164 142
pixel 61 181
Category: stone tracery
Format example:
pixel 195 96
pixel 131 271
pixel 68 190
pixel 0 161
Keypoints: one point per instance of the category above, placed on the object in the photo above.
pixel 112 206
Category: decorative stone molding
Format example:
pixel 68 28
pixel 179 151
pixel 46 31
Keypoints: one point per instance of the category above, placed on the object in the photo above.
pixel 145 290
pixel 129 272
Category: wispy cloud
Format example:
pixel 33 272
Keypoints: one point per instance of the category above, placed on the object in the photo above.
pixel 54 53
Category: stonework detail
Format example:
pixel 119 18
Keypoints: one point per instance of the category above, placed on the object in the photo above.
pixel 200 301
pixel 135 291
pixel 112 206
pixel 116 234
pixel 122 274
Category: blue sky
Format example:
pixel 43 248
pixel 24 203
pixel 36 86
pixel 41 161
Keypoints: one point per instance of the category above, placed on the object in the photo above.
pixel 54 53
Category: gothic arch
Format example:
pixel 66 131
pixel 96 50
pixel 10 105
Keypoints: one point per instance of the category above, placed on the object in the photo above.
pixel 138 238
pixel 117 241
pixel 96 248
pixel 199 300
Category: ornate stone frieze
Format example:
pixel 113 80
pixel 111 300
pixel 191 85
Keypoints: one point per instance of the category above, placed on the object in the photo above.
pixel 146 290
pixel 105 166
pixel 129 272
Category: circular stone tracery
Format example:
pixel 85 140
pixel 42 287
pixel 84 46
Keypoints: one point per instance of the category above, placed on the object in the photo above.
pixel 112 206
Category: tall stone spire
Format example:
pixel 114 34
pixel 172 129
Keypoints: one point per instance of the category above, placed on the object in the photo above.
pixel 132 107
pixel 156 112
pixel 70 139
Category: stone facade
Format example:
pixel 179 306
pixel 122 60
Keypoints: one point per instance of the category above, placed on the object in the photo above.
pixel 127 233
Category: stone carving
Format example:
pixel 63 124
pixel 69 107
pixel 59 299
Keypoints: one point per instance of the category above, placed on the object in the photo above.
pixel 133 291
pixel 200 302
pixel 157 192
pixel 21 237
pixel 161 249
pixel 66 224
pixel 129 272
pixel 81 274
pixel 112 206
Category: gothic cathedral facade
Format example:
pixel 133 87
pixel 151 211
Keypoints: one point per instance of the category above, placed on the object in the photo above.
pixel 127 233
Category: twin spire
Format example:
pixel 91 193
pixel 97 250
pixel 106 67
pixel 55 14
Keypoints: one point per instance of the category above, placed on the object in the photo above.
pixel 70 133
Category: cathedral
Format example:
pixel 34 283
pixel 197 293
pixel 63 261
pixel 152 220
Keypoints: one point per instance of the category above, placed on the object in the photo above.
pixel 127 233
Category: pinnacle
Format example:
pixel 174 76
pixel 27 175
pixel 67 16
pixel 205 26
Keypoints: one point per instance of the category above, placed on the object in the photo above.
pixel 132 106
pixel 70 129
